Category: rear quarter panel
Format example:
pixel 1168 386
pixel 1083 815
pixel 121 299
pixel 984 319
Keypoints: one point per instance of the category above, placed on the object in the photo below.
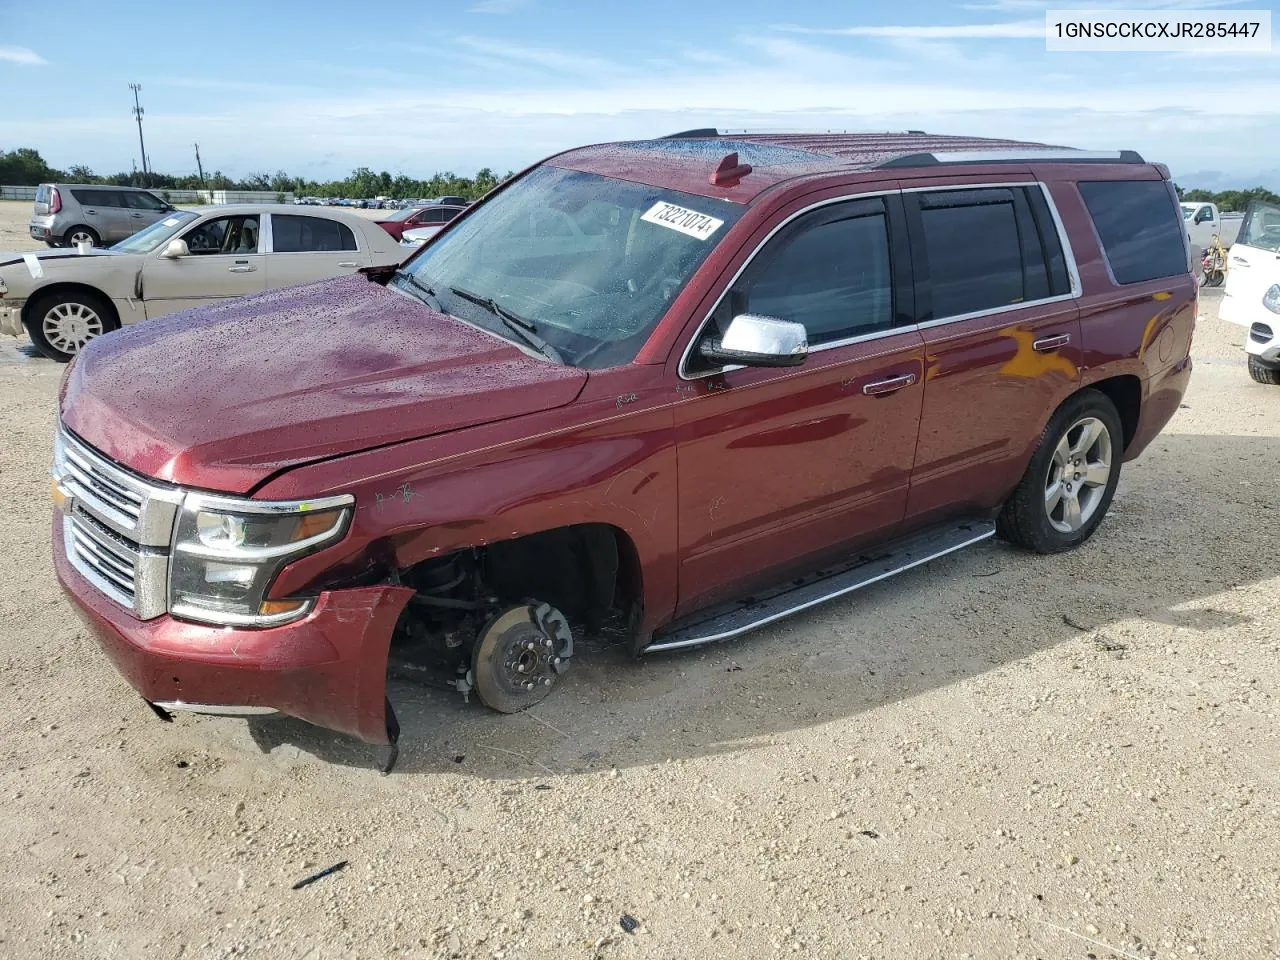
pixel 1142 330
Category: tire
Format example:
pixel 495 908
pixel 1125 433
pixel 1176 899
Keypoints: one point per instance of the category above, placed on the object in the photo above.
pixel 60 324
pixel 1085 436
pixel 70 238
pixel 1263 373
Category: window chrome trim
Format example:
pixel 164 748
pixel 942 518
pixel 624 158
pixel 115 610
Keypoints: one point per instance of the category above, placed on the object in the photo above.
pixel 1073 273
pixel 267 235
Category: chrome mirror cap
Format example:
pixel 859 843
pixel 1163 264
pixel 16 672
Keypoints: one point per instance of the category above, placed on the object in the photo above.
pixel 756 341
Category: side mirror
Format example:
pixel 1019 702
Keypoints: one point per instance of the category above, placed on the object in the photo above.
pixel 176 249
pixel 753 341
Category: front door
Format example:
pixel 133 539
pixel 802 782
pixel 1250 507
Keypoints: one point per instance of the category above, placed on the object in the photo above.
pixel 307 248
pixel 1002 340
pixel 780 465
pixel 1253 267
pixel 224 261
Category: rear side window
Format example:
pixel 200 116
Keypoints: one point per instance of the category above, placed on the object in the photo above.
pixel 989 248
pixel 309 235
pixel 1140 228
pixel 89 198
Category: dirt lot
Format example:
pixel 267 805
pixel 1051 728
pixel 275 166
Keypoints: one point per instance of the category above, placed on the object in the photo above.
pixel 996 756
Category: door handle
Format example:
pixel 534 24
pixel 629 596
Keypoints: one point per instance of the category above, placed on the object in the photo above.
pixel 94 212
pixel 348 263
pixel 135 216
pixel 893 384
pixel 1051 343
pixel 241 268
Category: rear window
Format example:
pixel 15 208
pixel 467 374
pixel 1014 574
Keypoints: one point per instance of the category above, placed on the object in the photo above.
pixel 292 234
pixel 42 193
pixel 1139 224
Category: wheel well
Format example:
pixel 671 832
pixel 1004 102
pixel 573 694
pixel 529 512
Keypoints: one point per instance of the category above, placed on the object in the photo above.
pixel 1126 393
pixel 55 288
pixel 586 569
pixel 67 232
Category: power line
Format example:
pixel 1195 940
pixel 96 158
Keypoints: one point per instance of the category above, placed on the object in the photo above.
pixel 142 149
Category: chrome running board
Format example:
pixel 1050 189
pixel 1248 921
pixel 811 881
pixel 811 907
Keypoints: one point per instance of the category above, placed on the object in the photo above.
pixel 734 619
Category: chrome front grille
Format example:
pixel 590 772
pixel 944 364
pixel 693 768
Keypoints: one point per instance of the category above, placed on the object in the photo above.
pixel 116 526
pixel 110 564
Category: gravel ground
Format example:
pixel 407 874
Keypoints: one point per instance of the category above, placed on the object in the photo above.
pixel 999 755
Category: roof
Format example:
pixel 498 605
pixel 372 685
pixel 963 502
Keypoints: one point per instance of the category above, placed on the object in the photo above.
pixel 685 161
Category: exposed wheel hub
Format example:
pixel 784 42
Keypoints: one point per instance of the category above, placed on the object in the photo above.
pixel 520 654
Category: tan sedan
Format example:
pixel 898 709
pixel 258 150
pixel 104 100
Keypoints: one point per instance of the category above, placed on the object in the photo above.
pixel 64 298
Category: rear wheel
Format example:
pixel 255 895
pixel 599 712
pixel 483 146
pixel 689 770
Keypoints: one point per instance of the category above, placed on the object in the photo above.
pixel 1263 373
pixel 62 323
pixel 76 235
pixel 1070 480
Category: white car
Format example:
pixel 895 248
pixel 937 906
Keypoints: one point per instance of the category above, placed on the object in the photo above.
pixel 419 235
pixel 64 298
pixel 1252 294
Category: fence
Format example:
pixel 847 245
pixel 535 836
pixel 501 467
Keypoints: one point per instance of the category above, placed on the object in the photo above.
pixel 178 196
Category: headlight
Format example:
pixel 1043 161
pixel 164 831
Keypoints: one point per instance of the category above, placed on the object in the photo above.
pixel 226 553
pixel 1271 299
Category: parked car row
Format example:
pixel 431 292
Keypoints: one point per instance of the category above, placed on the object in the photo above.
pixel 379 203
pixel 63 299
pixel 752 375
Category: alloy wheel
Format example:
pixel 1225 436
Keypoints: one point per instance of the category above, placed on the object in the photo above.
pixel 1078 474
pixel 68 326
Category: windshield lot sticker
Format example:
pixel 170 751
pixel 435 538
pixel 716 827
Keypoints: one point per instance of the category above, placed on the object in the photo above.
pixel 33 266
pixel 171 222
pixel 689 222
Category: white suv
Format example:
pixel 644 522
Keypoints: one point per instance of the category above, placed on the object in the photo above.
pixel 1252 294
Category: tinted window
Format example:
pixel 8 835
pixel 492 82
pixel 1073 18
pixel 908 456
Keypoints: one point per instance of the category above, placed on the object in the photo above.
pixel 227 235
pixel 142 200
pixel 91 198
pixel 829 271
pixel 1048 241
pixel 974 250
pixel 434 216
pixel 1138 224
pixel 309 235
pixel 448 213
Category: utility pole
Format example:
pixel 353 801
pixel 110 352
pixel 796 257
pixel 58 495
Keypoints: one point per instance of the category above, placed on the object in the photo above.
pixel 137 112
pixel 199 165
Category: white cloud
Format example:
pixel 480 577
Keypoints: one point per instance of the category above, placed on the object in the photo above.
pixel 1021 29
pixel 497 6
pixel 21 55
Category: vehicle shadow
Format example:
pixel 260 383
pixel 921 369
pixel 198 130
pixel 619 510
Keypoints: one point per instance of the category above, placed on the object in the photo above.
pixel 1184 527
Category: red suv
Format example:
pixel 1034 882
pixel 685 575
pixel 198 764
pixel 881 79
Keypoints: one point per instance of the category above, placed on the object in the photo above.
pixel 728 379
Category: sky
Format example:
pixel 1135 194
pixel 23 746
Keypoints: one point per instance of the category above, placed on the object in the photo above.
pixel 312 88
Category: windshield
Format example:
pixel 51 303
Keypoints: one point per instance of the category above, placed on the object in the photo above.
pixel 589 263
pixel 1261 227
pixel 150 238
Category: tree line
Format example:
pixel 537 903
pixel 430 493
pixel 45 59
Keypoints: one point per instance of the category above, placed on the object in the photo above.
pixel 1235 201
pixel 25 167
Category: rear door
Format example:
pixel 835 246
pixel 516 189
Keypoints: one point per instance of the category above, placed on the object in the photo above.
pixel 99 210
pixel 306 248
pixel 1253 266
pixel 1002 339
pixel 226 261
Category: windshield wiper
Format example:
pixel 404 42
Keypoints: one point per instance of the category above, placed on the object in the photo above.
pixel 526 330
pixel 429 295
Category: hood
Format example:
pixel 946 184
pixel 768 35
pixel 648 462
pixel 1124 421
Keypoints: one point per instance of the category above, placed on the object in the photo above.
pixel 8 259
pixel 222 397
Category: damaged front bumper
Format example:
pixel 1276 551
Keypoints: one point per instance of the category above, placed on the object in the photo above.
pixel 11 317
pixel 328 668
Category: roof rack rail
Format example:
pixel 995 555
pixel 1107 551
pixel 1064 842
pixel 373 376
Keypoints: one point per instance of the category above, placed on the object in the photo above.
pixel 937 157
pixel 692 134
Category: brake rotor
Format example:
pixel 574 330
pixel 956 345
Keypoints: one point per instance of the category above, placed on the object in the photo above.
pixel 519 655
